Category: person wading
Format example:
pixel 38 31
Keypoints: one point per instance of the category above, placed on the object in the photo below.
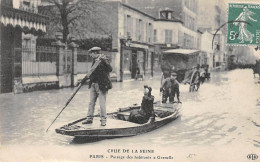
pixel 170 88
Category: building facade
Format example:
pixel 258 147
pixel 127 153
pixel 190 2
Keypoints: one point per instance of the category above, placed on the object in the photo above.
pixel 212 15
pixel 139 53
pixel 206 57
pixel 185 11
pixel 176 36
pixel 16 24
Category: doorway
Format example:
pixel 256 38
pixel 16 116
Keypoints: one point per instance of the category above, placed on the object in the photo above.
pixel 134 64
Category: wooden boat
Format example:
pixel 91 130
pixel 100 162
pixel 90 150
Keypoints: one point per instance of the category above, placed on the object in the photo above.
pixel 118 124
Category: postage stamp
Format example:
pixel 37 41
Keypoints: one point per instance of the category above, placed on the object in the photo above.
pixel 244 24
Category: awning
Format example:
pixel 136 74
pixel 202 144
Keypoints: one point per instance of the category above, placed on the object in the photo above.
pixel 181 51
pixel 23 19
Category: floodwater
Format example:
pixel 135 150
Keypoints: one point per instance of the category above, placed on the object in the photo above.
pixel 224 112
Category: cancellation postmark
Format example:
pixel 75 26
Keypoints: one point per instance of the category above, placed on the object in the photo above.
pixel 244 24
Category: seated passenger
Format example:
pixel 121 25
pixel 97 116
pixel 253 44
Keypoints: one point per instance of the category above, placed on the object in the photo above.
pixel 146 112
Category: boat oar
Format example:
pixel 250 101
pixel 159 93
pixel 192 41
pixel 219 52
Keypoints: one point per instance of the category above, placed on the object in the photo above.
pixel 67 103
pixel 92 69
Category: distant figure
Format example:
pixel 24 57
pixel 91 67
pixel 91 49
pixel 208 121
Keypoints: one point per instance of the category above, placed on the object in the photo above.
pixel 205 74
pixel 146 112
pixel 195 79
pixel 99 85
pixel 254 69
pixel 138 72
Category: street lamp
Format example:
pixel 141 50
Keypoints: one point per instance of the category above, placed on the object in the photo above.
pixel 123 43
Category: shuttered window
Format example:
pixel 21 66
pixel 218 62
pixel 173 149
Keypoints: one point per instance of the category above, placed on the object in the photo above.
pixel 168 36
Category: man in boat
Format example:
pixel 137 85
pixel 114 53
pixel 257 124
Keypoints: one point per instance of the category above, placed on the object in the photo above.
pixel 99 85
pixel 146 112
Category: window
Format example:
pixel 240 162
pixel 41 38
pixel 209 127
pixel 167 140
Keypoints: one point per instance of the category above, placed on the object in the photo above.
pixel 154 35
pixel 140 30
pixel 180 37
pixel 137 27
pixel 26 3
pixel 7 3
pixel 168 36
pixel 150 32
pixel 147 32
pixel 169 16
pixel 129 26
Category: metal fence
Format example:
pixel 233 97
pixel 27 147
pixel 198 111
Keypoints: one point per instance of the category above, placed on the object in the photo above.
pixel 39 61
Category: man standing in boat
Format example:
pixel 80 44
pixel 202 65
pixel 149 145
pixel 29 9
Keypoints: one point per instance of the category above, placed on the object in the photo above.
pixel 99 85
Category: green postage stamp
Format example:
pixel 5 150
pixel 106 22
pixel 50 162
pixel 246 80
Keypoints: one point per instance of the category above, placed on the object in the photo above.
pixel 243 24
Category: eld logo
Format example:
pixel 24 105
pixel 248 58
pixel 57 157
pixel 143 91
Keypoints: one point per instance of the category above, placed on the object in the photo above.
pixel 252 156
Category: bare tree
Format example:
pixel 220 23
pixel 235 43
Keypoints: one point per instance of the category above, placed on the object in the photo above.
pixel 75 16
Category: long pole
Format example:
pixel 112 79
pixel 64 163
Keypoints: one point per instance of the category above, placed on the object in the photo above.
pixel 67 103
pixel 92 69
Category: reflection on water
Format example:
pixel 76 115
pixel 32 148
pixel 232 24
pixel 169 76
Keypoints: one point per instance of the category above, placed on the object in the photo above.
pixel 225 111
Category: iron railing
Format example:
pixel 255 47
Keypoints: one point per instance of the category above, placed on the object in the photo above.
pixel 39 61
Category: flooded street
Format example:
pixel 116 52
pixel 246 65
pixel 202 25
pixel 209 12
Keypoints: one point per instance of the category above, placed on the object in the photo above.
pixel 224 112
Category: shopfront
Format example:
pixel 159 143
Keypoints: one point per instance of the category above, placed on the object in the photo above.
pixel 137 57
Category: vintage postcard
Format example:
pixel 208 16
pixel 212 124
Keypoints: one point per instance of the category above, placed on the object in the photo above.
pixel 129 81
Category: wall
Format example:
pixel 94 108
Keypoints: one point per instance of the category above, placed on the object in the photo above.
pixel 206 46
pixel 191 33
pixel 206 42
pixel 161 26
pixel 135 15
pixel 206 14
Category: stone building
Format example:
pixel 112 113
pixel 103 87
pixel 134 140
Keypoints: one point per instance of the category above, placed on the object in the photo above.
pixel 184 11
pixel 175 30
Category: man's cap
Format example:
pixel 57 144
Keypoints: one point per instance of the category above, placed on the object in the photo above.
pixel 174 74
pixel 94 49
